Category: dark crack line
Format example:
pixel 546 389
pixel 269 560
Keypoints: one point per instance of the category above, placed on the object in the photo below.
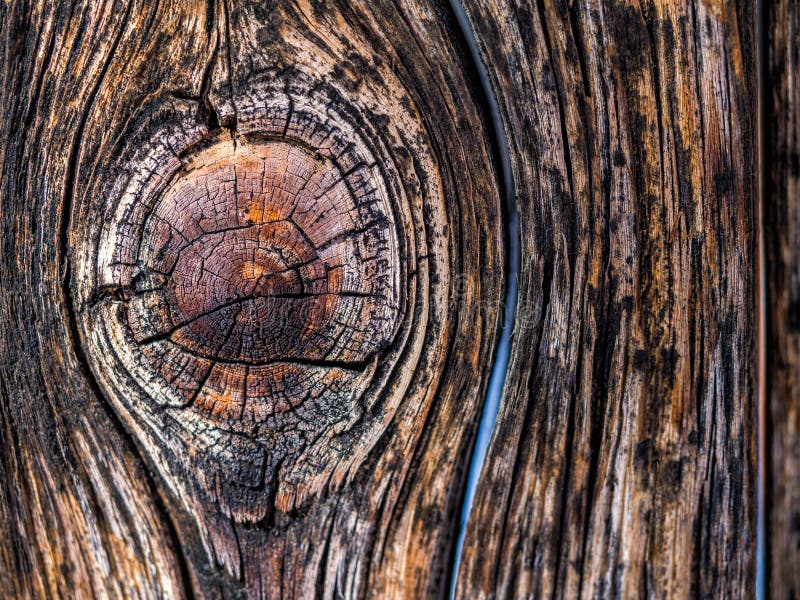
pixel 239 301
pixel 497 379
pixel 352 366
pixel 362 230
pixel 763 496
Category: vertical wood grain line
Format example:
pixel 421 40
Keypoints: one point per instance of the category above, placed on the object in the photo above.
pixel 761 302
pixel 497 379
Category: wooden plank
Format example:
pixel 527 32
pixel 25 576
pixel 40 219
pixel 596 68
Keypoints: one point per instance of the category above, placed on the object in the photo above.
pixel 183 183
pixel 782 253
pixel 623 460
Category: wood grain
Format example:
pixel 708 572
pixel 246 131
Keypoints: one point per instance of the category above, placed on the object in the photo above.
pixel 79 512
pixel 623 459
pixel 251 269
pixel 132 467
pixel 782 253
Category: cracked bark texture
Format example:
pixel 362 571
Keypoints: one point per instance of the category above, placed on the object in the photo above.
pixel 782 254
pixel 623 463
pixel 252 261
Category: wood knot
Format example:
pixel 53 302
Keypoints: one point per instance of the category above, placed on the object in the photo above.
pixel 259 303
pixel 262 275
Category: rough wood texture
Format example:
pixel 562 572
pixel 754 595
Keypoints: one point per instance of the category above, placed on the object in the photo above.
pixel 251 263
pixel 782 252
pixel 623 461
pixel 231 362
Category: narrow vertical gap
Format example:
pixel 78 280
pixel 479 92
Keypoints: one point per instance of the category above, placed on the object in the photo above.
pixel 512 263
pixel 762 75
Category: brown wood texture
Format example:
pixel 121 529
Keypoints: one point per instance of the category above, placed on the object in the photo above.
pixel 252 258
pixel 251 267
pixel 623 459
pixel 782 257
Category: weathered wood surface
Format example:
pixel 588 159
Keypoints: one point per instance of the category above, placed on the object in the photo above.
pixel 251 264
pixel 782 254
pixel 177 175
pixel 623 460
